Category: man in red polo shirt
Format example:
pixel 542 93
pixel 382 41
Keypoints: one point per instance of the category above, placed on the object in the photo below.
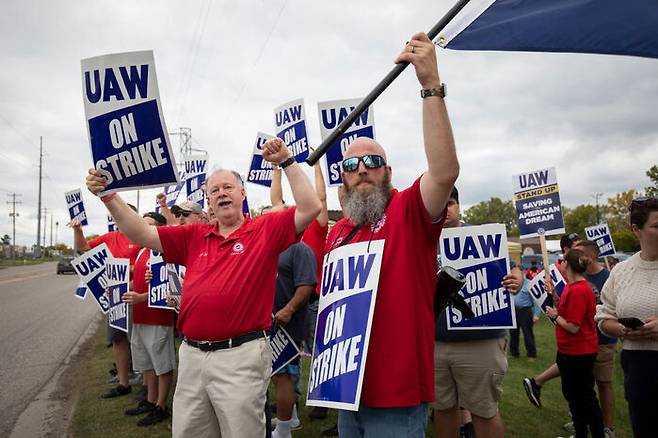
pixel 399 373
pixel 225 361
pixel 120 247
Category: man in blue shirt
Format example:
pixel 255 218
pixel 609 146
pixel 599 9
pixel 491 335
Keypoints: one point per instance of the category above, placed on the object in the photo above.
pixel 527 313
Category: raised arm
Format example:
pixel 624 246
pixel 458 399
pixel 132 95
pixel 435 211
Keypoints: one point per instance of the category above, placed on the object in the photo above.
pixel 276 189
pixel 79 241
pixel 308 204
pixel 129 222
pixel 161 199
pixel 442 163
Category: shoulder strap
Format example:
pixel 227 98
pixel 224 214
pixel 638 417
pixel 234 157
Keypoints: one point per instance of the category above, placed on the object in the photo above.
pixel 350 236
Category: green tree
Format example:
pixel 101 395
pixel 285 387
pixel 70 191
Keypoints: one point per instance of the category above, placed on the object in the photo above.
pixel 617 210
pixel 653 176
pixel 576 219
pixel 495 210
pixel 618 221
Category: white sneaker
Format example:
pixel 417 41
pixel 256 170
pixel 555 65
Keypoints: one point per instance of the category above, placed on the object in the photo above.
pixel 569 427
pixel 277 434
pixel 608 433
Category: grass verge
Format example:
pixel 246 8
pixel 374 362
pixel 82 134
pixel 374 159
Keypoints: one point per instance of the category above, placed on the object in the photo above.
pixel 105 418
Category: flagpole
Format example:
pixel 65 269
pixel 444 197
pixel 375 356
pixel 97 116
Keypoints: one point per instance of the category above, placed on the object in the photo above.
pixel 379 88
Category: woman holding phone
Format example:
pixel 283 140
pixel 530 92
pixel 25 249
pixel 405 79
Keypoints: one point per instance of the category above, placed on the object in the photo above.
pixel 577 346
pixel 630 310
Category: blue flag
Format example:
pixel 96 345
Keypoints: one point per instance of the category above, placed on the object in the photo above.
pixel 603 26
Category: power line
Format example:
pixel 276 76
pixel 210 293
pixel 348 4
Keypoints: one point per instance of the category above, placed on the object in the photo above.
pixel 184 86
pixel 257 60
pixel 25 137
pixel 13 216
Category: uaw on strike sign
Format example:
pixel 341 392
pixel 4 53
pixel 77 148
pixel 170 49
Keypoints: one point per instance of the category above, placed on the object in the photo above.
pixel 350 278
pixel 332 113
pixel 129 142
pixel 480 253
pixel 260 170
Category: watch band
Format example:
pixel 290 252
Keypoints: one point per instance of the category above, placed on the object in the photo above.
pixel 438 91
pixel 287 162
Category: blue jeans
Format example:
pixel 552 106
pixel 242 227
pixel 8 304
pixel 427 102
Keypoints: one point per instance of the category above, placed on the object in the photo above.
pixel 409 422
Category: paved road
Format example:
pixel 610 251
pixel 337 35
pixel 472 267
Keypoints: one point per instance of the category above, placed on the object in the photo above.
pixel 40 321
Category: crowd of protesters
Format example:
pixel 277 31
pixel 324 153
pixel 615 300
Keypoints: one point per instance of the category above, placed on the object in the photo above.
pixel 243 275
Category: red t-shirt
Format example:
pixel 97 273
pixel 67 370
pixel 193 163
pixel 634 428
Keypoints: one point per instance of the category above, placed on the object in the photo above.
pixel 142 313
pixel 400 365
pixel 577 306
pixel 120 246
pixel 315 237
pixel 229 283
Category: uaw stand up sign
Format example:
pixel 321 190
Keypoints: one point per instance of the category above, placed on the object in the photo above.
pixel 537 201
pixel 129 142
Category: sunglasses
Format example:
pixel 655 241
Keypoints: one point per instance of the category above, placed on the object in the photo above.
pixel 370 161
pixel 573 236
pixel 642 200
pixel 183 213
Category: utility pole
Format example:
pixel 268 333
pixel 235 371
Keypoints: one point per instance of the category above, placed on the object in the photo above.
pixel 596 196
pixel 56 231
pixel 51 229
pixel 37 250
pixel 13 215
pixel 45 221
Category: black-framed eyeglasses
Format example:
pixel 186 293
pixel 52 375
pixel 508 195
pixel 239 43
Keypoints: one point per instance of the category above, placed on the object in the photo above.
pixel 642 200
pixel 182 213
pixel 370 161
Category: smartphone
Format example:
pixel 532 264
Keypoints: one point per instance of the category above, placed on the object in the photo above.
pixel 631 323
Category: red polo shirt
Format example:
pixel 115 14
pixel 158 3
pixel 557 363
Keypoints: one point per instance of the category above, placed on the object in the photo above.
pixel 142 313
pixel 229 283
pixel 577 306
pixel 315 237
pixel 118 244
pixel 400 365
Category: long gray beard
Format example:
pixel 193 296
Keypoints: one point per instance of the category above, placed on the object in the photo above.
pixel 366 207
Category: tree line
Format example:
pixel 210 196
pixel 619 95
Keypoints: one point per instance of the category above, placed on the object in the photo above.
pixel 614 213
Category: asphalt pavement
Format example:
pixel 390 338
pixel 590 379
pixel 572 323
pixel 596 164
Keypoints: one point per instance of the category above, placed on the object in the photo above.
pixel 40 322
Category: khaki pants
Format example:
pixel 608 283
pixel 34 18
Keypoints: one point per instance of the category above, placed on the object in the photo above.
pixel 222 390
pixel 470 375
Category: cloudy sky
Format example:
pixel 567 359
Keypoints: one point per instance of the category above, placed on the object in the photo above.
pixel 223 66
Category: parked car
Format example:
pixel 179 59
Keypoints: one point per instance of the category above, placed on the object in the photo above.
pixel 64 265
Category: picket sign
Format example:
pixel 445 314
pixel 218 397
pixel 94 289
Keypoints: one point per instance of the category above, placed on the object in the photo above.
pixel 129 140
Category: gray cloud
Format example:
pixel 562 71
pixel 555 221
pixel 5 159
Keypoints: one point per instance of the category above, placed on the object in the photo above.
pixel 593 117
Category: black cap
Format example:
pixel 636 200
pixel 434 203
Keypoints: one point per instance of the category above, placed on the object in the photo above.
pixel 157 217
pixel 568 239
